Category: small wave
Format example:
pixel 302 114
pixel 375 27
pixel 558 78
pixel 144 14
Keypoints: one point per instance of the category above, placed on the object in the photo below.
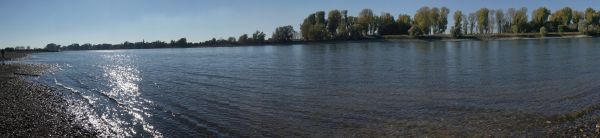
pixel 84 111
pixel 76 92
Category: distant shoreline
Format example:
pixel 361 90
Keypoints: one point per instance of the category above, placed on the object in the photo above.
pixel 406 38
pixel 429 38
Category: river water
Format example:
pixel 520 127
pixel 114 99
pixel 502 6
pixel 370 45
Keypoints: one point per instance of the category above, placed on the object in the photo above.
pixel 514 87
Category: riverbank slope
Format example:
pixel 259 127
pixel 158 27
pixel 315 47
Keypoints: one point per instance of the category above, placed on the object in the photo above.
pixel 29 109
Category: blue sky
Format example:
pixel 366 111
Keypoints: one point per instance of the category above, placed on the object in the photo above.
pixel 36 23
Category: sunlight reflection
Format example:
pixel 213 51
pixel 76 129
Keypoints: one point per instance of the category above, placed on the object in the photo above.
pixel 123 78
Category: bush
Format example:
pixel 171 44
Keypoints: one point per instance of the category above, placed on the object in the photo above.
pixel 543 31
pixel 562 28
pixel 589 30
pixel 514 29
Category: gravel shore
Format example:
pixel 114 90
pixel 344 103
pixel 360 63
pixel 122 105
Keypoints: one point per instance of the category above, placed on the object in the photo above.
pixel 29 109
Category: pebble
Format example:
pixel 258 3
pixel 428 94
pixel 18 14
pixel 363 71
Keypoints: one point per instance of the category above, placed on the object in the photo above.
pixel 29 110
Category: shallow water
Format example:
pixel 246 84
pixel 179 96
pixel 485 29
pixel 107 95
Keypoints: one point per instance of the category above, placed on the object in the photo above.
pixel 336 89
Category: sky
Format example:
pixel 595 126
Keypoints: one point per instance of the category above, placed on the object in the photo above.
pixel 36 23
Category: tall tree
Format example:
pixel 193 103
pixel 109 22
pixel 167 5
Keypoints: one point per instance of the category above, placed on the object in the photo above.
pixel 465 25
pixel 562 19
pixel 421 21
pixel 472 22
pixel 499 20
pixel 510 15
pixel 231 39
pixel 491 21
pixel 591 17
pixel 243 38
pixel 404 22
pixel 519 21
pixel 343 31
pixel 482 20
pixel 334 18
pixel 443 20
pixel 314 27
pixel 539 18
pixel 388 24
pixel 182 42
pixel 458 16
pixel 258 36
pixel 434 17
pixel 365 19
pixel 283 34
pixel 355 28
pixel 52 47
pixel 577 17
pixel 307 25
pixel 456 29
pixel 320 17
pixel 563 16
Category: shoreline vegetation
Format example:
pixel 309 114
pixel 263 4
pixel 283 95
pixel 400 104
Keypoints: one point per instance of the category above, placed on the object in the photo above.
pixel 427 24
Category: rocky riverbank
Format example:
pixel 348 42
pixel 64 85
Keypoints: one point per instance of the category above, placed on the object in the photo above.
pixel 29 109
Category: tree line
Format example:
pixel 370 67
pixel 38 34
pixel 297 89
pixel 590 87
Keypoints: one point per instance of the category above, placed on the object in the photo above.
pixel 281 35
pixel 427 21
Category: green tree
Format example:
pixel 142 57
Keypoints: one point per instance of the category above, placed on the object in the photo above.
pixel 577 17
pixel 52 47
pixel 482 20
pixel 404 22
pixel 458 16
pixel 510 16
pixel 182 42
pixel 421 21
pixel 313 28
pixel 500 21
pixel 283 34
pixel 591 17
pixel 343 31
pixel 456 29
pixel 355 29
pixel 365 19
pixel 320 17
pixel 563 16
pixel 376 23
pixel 465 25
pixel 442 21
pixel 306 27
pixel 519 21
pixel 334 18
pixel 231 39
pixel 434 17
pixel 539 17
pixel 258 36
pixel 243 38
pixel 472 22
pixel 388 24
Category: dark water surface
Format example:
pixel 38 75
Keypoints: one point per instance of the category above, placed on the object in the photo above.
pixel 338 89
